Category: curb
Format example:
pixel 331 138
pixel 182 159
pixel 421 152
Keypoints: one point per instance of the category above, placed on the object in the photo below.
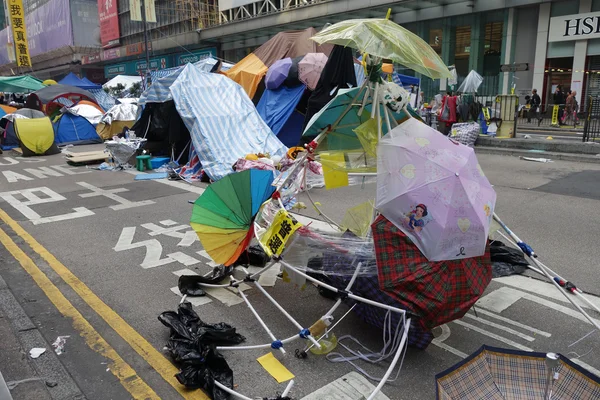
pixel 48 367
pixel 546 154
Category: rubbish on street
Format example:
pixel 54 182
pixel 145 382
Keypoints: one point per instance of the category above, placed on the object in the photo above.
pixel 156 175
pixel 88 157
pixel 540 160
pixel 275 368
pixel 191 284
pixel 59 344
pixel 192 345
pixel 36 352
pixel 506 260
pixel 507 374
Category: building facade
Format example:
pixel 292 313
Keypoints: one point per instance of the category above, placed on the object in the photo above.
pixel 513 44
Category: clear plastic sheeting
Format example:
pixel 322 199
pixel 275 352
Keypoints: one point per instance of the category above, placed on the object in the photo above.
pixel 330 254
pixel 123 150
pixel 471 83
pixel 383 38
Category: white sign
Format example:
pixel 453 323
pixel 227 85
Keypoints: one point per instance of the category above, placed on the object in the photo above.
pixel 574 27
pixel 229 4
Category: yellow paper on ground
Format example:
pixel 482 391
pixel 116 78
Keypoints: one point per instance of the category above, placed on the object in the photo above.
pixel 275 368
pixel 333 174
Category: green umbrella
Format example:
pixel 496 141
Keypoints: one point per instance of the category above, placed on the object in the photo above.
pixel 20 84
pixel 387 40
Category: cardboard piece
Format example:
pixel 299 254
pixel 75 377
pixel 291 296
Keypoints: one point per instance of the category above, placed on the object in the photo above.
pixel 275 368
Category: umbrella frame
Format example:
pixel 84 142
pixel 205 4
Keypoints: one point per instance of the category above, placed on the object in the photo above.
pixel 279 344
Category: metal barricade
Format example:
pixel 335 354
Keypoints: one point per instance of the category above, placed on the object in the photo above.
pixel 591 127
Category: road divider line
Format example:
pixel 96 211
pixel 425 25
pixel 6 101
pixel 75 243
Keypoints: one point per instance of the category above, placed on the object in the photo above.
pixel 152 356
pixel 118 367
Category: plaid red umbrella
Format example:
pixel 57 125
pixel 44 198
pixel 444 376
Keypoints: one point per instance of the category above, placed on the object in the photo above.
pixel 437 292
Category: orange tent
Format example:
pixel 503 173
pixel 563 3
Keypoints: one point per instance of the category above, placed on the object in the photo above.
pixel 89 103
pixel 8 109
pixel 251 70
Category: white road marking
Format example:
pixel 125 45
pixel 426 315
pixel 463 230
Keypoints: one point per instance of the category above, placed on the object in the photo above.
pixel 9 160
pixel 492 335
pixel 439 342
pixel 13 177
pixel 545 289
pixel 557 307
pixel 43 172
pixel 209 261
pixel 33 199
pixel 177 184
pixel 153 248
pixel 70 170
pixel 500 299
pixel 195 300
pixel 183 258
pixel 225 296
pixel 502 328
pixel 111 194
pixel 514 323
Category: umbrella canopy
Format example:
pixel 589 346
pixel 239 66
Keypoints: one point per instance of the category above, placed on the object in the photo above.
pixel 30 113
pixel 471 83
pixel 494 373
pixel 49 82
pixel 436 292
pixel 278 73
pixel 310 68
pixel 222 216
pixel 434 190
pixel 388 40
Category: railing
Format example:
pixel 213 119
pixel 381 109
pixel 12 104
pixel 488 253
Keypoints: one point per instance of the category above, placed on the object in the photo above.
pixel 549 117
pixel 262 8
pixel 591 128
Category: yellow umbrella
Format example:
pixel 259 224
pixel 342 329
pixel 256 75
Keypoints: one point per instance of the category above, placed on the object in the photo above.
pixel 49 82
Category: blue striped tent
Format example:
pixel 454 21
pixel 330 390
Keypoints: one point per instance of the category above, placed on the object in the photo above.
pixel 105 100
pixel 222 120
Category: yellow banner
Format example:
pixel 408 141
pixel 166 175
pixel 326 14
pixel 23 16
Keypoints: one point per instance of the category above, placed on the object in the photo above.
pixel 275 238
pixel 135 10
pixel 555 115
pixel 486 114
pixel 150 11
pixel 17 21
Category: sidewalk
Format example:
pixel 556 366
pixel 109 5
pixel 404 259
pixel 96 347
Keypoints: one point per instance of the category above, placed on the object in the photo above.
pixel 566 150
pixel 25 378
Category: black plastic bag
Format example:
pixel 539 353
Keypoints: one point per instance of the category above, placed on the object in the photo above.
pixel 499 252
pixel 190 284
pixel 192 345
pixel 254 256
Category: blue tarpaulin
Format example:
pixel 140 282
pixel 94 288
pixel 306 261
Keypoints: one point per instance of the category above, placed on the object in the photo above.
pixel 74 80
pixel 276 107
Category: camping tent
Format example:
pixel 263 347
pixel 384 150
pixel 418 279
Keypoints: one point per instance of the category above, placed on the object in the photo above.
pixel 250 71
pixel 116 119
pixel 36 136
pixel 89 111
pixel 223 123
pixel 278 109
pixel 8 128
pixel 19 84
pixel 48 98
pixel 75 129
pixel 74 80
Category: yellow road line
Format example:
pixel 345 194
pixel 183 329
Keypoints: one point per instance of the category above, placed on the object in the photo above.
pixel 119 368
pixel 156 360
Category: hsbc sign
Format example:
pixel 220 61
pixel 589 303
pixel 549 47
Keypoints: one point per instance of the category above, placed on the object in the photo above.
pixel 574 27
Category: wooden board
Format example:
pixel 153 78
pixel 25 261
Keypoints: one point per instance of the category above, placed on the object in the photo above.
pixel 85 153
pixel 94 158
pixel 18 150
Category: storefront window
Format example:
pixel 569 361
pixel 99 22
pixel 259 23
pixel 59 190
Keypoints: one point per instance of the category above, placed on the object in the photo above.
pixel 559 74
pixel 462 50
pixel 435 40
pixel 492 48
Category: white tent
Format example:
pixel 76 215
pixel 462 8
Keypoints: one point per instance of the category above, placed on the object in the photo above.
pixel 125 80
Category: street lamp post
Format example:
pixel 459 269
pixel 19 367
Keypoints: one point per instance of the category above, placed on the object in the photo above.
pixel 146 41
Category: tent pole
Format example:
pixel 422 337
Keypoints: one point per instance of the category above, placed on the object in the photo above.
pixel 147 52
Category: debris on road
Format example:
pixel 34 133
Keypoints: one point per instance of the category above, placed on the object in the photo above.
pixel 59 344
pixel 36 352
pixel 542 160
pixel 192 346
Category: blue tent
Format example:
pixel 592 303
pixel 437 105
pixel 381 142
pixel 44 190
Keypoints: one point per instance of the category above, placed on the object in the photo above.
pixel 74 80
pixel 10 138
pixel 73 129
pixel 277 108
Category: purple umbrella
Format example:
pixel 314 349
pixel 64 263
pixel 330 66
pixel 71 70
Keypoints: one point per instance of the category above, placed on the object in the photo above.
pixel 277 73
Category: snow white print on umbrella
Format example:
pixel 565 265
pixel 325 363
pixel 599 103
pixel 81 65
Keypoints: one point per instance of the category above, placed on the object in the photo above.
pixel 433 189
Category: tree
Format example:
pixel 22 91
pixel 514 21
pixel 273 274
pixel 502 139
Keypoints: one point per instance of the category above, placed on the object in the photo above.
pixel 136 89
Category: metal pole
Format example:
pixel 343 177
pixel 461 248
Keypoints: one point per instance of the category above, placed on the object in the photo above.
pixel 146 41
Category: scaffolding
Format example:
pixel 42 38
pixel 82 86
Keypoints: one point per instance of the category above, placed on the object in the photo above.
pixel 199 13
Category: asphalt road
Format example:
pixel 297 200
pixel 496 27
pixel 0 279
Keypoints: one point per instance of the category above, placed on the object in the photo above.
pixel 118 245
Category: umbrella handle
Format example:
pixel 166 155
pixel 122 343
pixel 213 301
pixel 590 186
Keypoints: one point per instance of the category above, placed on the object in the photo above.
pixel 389 14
